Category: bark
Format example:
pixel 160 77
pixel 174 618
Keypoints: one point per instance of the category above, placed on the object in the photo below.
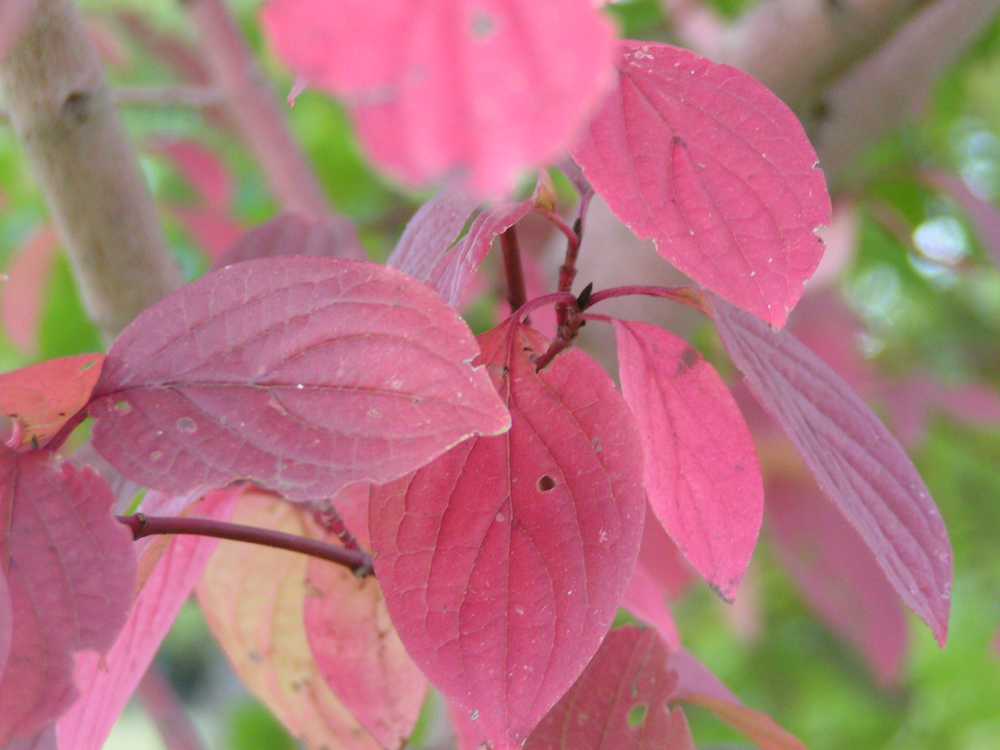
pixel 62 111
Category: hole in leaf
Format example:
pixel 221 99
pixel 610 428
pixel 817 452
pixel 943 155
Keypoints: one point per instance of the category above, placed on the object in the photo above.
pixel 186 424
pixel 483 25
pixel 123 407
pixel 637 715
pixel 546 483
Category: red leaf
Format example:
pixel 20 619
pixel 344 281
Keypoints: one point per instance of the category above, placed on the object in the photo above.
pixel 23 294
pixel 646 598
pixel 713 167
pixel 70 570
pixel 43 397
pixel 6 621
pixel 838 575
pixel 201 168
pixel 494 88
pixel 213 230
pixel 291 234
pixel 449 237
pixel 701 471
pixel 254 601
pixel 621 701
pixel 698 686
pixel 856 461
pixel 303 374
pixel 503 561
pixel 108 682
pixel 359 653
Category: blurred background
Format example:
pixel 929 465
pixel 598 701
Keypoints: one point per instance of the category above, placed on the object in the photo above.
pixel 906 307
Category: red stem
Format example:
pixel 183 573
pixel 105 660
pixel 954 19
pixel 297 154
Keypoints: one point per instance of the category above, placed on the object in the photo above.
pixel 513 270
pixel 142 525
pixel 328 517
pixel 546 299
pixel 683 294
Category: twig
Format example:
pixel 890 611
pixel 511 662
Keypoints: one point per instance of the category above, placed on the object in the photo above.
pixel 255 110
pixel 331 520
pixel 513 270
pixel 166 710
pixel 683 294
pixel 142 525
pixel 60 107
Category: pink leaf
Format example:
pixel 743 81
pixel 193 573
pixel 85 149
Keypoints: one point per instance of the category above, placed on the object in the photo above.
pixel 108 682
pixel 713 167
pixel 701 470
pixel 621 701
pixel 303 374
pixel 359 653
pixel 856 461
pixel 503 561
pixel 202 169
pixel 449 237
pixel 291 234
pixel 838 575
pixel 493 88
pixel 646 598
pixel 213 230
pixel 6 621
pixel 254 601
pixel 43 397
pixel 70 570
pixel 698 686
pixel 23 293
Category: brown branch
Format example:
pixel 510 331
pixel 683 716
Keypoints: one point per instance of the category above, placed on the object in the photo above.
pixel 166 97
pixel 255 110
pixel 62 112
pixel 513 270
pixel 142 525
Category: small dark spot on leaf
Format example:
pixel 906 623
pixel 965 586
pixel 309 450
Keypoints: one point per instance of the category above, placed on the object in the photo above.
pixel 637 715
pixel 688 360
pixel 546 483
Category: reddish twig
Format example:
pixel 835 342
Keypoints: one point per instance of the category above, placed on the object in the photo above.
pixel 167 711
pixel 513 270
pixel 142 525
pixel 683 294
pixel 328 517
pixel 255 110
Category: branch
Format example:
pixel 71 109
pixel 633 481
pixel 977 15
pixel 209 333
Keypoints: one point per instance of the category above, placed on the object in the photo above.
pixel 167 97
pixel 61 109
pixel 142 525
pixel 166 710
pixel 513 270
pixel 799 47
pixel 255 110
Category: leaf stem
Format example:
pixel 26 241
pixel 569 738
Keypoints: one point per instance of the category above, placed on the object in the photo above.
pixel 684 294
pixel 142 525
pixel 513 270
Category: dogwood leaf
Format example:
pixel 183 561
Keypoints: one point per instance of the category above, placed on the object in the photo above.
pixel 713 167
pixel 621 701
pixel 838 575
pixel 43 397
pixel 303 374
pixel 448 239
pixel 70 574
pixel 701 470
pixel 504 560
pixel 856 461
pixel 292 234
pixel 108 682
pixel 490 88
pixel 254 602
